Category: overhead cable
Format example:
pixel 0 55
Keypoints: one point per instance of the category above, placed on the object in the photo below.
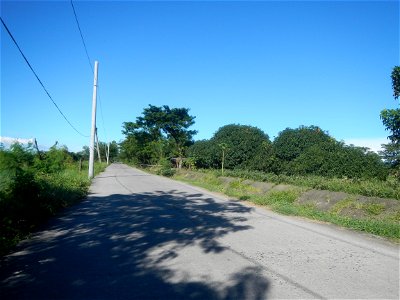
pixel 83 40
pixel 90 63
pixel 37 77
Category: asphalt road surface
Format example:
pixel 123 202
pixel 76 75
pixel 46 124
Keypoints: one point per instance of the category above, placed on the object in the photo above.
pixel 139 236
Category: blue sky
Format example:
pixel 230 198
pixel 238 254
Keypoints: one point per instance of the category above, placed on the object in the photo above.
pixel 270 64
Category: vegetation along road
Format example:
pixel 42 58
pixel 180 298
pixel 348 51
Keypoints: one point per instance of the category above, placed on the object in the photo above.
pixel 141 236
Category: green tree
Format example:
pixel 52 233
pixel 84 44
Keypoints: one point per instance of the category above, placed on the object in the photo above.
pixel 290 143
pixel 391 120
pixel 335 159
pixel 391 154
pixel 205 154
pixel 114 151
pixel 159 132
pixel 244 143
pixel 265 160
pixel 396 82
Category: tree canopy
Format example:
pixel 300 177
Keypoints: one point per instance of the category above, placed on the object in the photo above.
pixel 157 133
pixel 391 121
pixel 307 150
pixel 290 143
pixel 242 144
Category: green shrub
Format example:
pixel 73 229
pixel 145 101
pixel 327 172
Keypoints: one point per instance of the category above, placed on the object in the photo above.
pixel 32 189
pixel 166 169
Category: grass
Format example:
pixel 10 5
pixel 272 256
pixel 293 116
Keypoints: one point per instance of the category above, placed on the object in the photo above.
pixel 370 188
pixel 285 202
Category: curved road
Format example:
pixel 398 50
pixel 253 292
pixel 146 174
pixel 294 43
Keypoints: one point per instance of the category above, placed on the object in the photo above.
pixel 139 236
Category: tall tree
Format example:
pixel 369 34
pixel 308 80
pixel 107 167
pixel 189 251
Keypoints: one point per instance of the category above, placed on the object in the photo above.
pixel 244 143
pixel 391 120
pixel 290 143
pixel 158 132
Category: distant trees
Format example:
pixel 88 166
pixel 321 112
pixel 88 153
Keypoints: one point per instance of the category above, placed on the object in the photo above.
pixel 103 147
pixel 159 133
pixel 242 146
pixel 335 159
pixel 301 151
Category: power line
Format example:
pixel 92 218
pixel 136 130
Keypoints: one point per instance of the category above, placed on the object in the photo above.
pixel 83 40
pixel 91 66
pixel 37 77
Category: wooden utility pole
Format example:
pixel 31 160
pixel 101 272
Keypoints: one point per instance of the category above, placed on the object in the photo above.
pixel 93 131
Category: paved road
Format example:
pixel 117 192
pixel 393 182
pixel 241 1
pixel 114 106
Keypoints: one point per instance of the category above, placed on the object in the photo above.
pixel 139 236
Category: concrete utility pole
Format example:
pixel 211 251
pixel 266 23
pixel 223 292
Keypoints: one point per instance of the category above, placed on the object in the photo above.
pixel 93 131
pixel 108 152
pixel 98 147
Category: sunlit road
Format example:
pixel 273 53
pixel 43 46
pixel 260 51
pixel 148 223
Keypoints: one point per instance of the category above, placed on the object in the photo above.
pixel 139 236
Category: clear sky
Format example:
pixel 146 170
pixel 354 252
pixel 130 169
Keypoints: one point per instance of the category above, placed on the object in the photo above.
pixel 270 64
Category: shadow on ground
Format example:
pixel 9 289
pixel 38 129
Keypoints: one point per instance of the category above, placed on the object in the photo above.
pixel 104 249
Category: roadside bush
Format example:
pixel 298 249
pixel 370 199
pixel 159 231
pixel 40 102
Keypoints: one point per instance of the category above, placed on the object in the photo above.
pixel 166 168
pixel 54 160
pixel 33 189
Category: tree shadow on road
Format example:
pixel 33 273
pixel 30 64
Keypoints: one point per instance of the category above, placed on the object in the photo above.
pixel 127 247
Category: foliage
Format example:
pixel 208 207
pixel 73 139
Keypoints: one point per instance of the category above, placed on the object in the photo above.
pixel 206 154
pixel 160 132
pixel 166 168
pixel 240 145
pixel 302 151
pixel 391 121
pixel 309 150
pixel 290 143
pixel 333 159
pixel 242 142
pixel 34 187
pixel 190 163
pixel 396 82
pixel 54 160
pixel 265 159
pixel 391 155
